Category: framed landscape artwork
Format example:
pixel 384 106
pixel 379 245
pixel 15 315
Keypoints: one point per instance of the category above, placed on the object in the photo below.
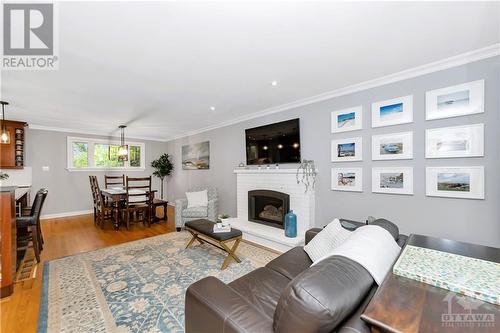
pixel 347 179
pixel 196 156
pixel 394 146
pixel 455 182
pixel 392 180
pixel 392 112
pixel 347 150
pixel 457 141
pixel 347 119
pixel 459 100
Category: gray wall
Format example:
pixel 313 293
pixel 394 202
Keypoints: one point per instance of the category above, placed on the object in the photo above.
pixel 70 191
pixel 476 221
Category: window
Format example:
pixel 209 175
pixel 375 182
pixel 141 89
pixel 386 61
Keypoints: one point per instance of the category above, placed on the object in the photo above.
pixel 99 154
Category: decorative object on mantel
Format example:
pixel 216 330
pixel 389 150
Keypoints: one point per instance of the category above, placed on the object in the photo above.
pixel 307 172
pixel 291 224
pixel 3 176
pixel 464 275
pixel 163 168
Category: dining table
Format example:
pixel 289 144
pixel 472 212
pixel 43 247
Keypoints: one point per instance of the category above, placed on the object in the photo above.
pixel 116 194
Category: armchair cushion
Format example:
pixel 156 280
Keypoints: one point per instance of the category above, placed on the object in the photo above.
pixel 195 212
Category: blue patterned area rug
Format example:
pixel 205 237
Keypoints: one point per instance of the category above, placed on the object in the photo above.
pixel 134 287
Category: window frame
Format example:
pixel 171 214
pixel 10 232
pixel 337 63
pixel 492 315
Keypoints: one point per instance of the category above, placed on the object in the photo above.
pixel 90 154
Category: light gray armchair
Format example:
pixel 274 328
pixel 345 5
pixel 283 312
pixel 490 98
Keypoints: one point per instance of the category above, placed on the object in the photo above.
pixel 184 214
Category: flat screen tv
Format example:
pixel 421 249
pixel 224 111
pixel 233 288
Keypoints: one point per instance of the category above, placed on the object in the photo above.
pixel 274 143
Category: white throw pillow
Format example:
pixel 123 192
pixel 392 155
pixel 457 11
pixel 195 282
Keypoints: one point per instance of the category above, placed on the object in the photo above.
pixel 197 199
pixel 371 246
pixel 326 240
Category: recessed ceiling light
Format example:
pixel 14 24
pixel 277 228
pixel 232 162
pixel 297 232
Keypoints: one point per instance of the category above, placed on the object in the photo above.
pixel 212 108
pixel 274 83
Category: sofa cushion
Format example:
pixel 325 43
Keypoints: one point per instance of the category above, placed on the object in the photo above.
pixel 291 263
pixel 326 240
pixel 195 212
pixel 262 288
pixel 322 297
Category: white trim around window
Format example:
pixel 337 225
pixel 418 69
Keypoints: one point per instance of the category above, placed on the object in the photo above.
pixel 90 154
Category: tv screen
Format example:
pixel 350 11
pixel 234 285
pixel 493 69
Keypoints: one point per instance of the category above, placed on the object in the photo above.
pixel 274 143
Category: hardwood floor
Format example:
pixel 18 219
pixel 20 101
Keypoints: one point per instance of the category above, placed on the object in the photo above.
pixel 64 237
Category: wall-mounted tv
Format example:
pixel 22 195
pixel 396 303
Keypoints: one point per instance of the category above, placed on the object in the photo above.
pixel 274 143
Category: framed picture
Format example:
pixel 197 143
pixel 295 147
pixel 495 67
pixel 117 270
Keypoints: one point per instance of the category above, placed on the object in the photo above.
pixel 196 156
pixel 393 112
pixel 347 150
pixel 457 141
pixel 455 182
pixel 459 100
pixel 347 179
pixel 392 180
pixel 394 146
pixel 347 119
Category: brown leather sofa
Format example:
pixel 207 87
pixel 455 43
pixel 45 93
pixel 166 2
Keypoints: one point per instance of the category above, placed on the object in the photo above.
pixel 287 295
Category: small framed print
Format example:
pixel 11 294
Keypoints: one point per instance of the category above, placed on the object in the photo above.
pixel 457 141
pixel 455 182
pixel 347 119
pixel 346 150
pixel 392 112
pixel 347 179
pixel 394 146
pixel 459 100
pixel 392 180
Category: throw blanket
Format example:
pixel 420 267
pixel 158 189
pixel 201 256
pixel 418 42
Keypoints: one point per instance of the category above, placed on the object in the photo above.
pixel 372 247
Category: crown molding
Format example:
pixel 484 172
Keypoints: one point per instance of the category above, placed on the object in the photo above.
pixel 458 60
pixel 98 133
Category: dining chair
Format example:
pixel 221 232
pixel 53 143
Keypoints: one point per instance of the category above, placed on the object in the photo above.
pixel 93 190
pixel 32 223
pixel 138 199
pixel 110 181
pixel 103 209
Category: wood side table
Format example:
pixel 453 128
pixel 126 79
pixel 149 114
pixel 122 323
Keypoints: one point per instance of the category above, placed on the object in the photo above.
pixel 405 305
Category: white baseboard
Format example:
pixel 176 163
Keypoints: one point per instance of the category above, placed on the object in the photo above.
pixel 66 214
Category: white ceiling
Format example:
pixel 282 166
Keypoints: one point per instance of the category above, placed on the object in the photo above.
pixel 159 66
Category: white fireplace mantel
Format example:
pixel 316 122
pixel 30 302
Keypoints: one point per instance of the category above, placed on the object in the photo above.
pixel 281 180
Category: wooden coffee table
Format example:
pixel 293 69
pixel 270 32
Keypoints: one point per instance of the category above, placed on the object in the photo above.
pixel 203 231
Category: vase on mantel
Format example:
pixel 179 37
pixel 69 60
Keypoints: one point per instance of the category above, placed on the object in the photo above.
pixel 291 224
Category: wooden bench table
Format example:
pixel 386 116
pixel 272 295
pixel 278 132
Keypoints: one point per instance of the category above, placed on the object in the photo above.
pixel 205 228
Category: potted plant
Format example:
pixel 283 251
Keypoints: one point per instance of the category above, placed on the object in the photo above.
pixel 223 218
pixel 163 168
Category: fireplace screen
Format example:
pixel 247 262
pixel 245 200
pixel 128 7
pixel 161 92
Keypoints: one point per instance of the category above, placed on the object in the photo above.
pixel 268 207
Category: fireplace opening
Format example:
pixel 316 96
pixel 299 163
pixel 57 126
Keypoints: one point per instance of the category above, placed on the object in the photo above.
pixel 268 207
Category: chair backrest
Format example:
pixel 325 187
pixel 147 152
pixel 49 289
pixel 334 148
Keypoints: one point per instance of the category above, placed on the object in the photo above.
pixel 36 208
pixel 211 191
pixel 138 190
pixel 93 182
pixel 114 180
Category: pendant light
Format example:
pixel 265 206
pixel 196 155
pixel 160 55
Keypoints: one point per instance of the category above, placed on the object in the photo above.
pixel 123 150
pixel 5 135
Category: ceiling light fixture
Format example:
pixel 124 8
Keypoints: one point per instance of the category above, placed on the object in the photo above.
pixel 5 136
pixel 274 83
pixel 212 108
pixel 123 149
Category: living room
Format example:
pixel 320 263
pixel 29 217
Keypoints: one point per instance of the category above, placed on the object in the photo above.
pixel 250 167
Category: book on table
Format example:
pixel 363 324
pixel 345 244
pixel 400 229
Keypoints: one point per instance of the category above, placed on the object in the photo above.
pixel 219 227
